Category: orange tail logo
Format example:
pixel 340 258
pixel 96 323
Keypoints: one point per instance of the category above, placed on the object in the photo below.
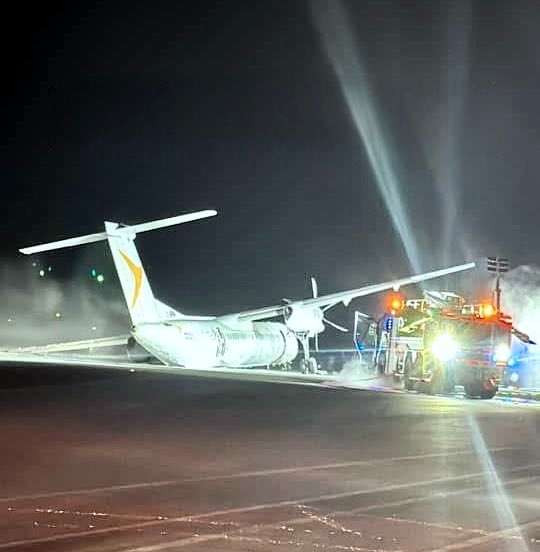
pixel 137 275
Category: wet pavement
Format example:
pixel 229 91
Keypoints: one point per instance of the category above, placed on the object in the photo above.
pixel 112 461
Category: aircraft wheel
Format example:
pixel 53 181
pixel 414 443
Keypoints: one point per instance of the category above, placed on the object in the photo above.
pixel 130 345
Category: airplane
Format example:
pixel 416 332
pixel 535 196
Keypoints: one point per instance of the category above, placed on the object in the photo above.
pixel 238 340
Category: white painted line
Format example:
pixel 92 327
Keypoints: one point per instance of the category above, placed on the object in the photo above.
pixel 346 494
pixel 438 496
pixel 89 533
pixel 79 514
pixel 244 509
pixel 179 543
pixel 246 474
pixel 512 532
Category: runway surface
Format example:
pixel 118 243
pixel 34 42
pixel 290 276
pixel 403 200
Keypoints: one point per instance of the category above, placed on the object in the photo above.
pixel 99 460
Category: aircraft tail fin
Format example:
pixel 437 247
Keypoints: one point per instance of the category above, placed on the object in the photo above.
pixel 135 285
pixel 142 305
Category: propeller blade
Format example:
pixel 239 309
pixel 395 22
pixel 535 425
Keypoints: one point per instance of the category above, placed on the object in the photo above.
pixel 336 326
pixel 314 288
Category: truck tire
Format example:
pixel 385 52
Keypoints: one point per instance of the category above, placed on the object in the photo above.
pixel 449 381
pixel 407 369
pixel 437 381
pixel 472 390
pixel 481 390
pixel 434 387
pixel 409 384
pixel 489 393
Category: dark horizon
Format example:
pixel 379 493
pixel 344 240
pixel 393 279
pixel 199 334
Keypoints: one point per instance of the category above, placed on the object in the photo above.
pixel 135 112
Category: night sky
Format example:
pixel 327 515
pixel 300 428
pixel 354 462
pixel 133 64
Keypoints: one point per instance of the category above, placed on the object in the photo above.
pixel 141 110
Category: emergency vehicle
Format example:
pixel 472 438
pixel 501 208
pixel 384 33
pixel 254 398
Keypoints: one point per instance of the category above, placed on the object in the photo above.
pixel 437 342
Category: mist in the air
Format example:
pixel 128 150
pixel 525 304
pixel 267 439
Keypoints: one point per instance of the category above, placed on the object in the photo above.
pixel 521 299
pixel 38 309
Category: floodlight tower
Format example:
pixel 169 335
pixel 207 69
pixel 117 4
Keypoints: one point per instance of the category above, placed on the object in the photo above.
pixel 498 265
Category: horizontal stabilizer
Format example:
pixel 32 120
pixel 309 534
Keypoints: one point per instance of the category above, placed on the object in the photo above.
pixel 86 344
pixel 128 230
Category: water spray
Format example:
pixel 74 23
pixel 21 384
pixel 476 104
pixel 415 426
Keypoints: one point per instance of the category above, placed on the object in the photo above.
pixel 338 40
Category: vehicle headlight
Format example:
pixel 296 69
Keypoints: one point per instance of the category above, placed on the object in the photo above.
pixel 444 347
pixel 502 353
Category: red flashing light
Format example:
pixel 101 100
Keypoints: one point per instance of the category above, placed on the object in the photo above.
pixel 487 310
pixel 395 303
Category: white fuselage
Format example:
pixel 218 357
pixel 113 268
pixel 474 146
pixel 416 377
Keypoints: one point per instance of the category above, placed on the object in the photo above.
pixel 209 343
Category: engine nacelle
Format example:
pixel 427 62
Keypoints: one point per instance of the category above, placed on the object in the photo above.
pixel 307 320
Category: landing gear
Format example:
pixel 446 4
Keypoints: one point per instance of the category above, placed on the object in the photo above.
pixel 130 345
pixel 308 364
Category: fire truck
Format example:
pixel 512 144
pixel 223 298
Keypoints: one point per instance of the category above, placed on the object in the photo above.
pixel 435 343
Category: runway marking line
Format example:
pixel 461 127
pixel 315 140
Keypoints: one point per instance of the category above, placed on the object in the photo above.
pixel 436 496
pixel 178 543
pixel 247 474
pixel 253 508
pixel 233 538
pixel 334 496
pixel 79 514
pixel 496 535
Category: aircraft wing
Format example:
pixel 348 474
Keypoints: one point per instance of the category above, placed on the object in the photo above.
pixel 8 359
pixel 345 297
pixel 84 345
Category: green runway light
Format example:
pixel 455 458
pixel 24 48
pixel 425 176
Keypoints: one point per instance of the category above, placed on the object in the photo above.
pixel 100 278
